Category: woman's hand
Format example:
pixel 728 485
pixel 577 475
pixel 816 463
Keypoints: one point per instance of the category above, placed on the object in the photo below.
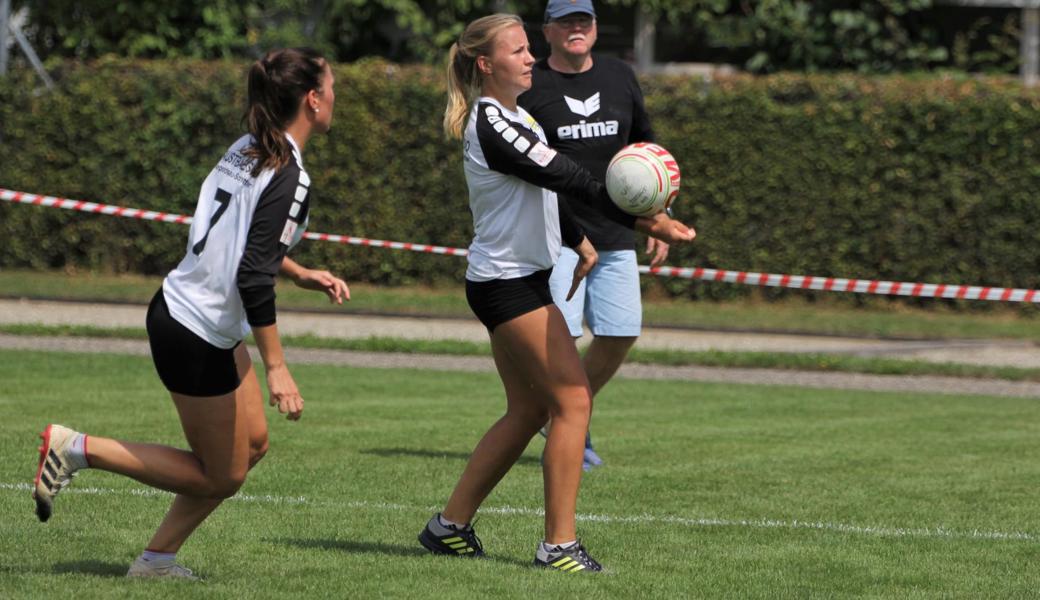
pixel 587 258
pixel 666 229
pixel 323 281
pixel 284 393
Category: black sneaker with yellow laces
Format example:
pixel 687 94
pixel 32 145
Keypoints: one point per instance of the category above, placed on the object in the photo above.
pixel 572 559
pixel 452 540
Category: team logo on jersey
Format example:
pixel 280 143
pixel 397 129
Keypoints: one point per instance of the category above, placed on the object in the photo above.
pixel 532 124
pixel 583 129
pixel 585 108
pixel 288 232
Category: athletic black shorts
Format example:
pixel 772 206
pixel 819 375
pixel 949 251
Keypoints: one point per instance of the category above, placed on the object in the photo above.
pixel 188 364
pixel 500 300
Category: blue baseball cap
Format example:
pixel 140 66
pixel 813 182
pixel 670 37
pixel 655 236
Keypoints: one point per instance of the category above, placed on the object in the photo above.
pixel 561 8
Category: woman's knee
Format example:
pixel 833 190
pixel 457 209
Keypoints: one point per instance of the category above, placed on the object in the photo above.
pixel 226 486
pixel 257 450
pixel 224 482
pixel 572 402
pixel 534 416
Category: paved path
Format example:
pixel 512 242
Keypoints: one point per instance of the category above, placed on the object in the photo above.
pixel 993 352
pixel 978 352
pixel 813 379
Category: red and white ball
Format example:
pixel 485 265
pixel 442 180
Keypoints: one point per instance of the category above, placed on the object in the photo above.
pixel 643 179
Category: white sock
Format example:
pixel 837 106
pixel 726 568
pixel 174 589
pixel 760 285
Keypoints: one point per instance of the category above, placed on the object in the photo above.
pixel 158 559
pixel 558 547
pixel 78 451
pixel 442 526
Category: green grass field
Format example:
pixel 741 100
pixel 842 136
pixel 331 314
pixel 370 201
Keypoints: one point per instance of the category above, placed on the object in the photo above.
pixel 709 491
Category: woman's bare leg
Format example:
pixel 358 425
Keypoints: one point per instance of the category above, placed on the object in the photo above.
pixel 188 512
pixel 227 435
pixel 543 376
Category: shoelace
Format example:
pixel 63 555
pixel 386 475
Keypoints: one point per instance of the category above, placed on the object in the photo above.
pixel 183 571
pixel 471 538
pixel 470 535
pixel 64 483
pixel 178 571
pixel 584 558
pixel 578 553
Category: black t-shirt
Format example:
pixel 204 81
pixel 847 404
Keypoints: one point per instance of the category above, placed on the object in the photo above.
pixel 588 117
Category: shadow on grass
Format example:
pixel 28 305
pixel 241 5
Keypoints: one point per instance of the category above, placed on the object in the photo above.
pixel 92 567
pixel 359 547
pixel 416 452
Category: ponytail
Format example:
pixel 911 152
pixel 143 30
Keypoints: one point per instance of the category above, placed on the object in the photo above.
pixel 276 85
pixel 464 79
pixel 461 89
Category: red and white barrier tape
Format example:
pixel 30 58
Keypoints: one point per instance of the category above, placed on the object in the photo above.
pixel 858 286
pixel 356 241
pixel 93 207
pixel 149 215
pixel 800 282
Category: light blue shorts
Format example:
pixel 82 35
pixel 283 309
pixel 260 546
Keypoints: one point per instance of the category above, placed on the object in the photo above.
pixel 608 297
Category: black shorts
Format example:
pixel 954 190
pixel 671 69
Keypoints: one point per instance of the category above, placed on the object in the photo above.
pixel 500 300
pixel 186 363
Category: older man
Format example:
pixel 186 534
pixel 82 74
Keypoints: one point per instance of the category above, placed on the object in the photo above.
pixel 591 106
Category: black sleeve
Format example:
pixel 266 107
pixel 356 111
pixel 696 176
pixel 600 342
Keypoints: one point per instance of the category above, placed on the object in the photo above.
pixel 571 231
pixel 513 149
pixel 641 130
pixel 274 221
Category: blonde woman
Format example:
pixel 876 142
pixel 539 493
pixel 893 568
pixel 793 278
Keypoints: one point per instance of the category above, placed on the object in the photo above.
pixel 519 226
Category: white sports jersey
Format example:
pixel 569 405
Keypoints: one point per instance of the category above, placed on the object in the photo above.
pixel 242 228
pixel 513 177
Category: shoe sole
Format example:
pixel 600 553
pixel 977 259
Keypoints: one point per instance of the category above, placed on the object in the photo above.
pixel 144 574
pixel 44 506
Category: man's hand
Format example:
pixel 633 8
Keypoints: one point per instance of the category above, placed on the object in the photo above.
pixel 657 250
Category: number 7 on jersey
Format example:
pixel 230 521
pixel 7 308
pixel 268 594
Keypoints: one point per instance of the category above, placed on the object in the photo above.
pixel 223 198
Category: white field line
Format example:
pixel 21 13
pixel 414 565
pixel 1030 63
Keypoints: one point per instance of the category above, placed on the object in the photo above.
pixel 646 518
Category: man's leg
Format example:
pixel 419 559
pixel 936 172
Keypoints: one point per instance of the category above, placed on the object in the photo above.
pixel 614 312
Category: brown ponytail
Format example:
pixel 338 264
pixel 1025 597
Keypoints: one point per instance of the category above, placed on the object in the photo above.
pixel 277 83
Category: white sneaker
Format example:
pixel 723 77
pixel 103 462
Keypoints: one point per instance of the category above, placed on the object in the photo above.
pixel 143 568
pixel 56 468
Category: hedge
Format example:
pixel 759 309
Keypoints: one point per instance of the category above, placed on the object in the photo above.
pixel 903 178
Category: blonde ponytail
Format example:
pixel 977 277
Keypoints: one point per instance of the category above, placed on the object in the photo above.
pixel 464 79
pixel 461 90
